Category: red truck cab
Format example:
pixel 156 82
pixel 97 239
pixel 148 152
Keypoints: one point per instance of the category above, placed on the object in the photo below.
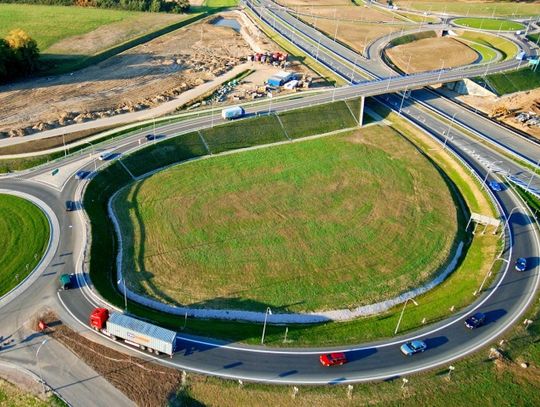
pixel 98 318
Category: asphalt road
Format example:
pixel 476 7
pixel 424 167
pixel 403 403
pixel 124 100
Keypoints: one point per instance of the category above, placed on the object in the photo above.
pixel 504 302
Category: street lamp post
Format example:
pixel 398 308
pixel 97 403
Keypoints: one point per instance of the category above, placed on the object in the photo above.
pixel 489 167
pixel 448 131
pixel 39 365
pixel 441 71
pixel 123 281
pixel 509 216
pixel 487 275
pixel 535 168
pixel 402 100
pixel 268 312
pixel 402 312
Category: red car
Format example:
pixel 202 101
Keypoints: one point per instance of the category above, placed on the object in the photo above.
pixel 333 359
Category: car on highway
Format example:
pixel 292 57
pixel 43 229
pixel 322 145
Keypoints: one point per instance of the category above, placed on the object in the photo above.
pixel 333 359
pixel 65 281
pixel 150 137
pixel 521 264
pixel 495 186
pixel 412 347
pixel 106 156
pixel 70 206
pixel 82 174
pixel 476 320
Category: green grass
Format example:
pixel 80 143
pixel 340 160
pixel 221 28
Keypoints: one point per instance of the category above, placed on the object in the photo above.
pixel 24 235
pixel 244 133
pixel 479 8
pixel 405 39
pixel 489 24
pixel 49 24
pixel 13 396
pixel 240 249
pixel 165 153
pixel 515 81
pixel 488 54
pixel 318 119
pixel 504 46
pixel 220 3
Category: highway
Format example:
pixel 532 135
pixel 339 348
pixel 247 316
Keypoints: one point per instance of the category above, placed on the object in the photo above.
pixel 504 302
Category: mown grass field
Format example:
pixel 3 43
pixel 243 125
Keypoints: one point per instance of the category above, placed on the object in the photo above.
pixel 480 8
pixel 489 24
pixel 515 81
pixel 507 48
pixel 303 226
pixel 24 234
pixel 49 24
pixel 12 396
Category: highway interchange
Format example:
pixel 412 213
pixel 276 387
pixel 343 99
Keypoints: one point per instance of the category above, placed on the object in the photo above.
pixel 503 303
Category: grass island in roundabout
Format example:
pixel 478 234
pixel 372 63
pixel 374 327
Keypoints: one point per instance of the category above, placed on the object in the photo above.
pixel 24 235
pixel 328 223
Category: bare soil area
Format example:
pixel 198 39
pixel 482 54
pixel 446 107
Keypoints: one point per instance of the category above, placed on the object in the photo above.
pixel 140 78
pixel 348 12
pixel 430 54
pixel 506 108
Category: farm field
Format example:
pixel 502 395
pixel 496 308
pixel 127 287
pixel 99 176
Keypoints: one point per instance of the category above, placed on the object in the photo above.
pixel 430 54
pixel 480 8
pixel 24 235
pixel 293 227
pixel 489 24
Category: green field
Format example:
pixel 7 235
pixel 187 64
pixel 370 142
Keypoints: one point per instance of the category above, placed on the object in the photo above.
pixel 479 8
pixel 303 226
pixel 220 3
pixel 49 24
pixel 489 24
pixel 24 235
pixel 514 81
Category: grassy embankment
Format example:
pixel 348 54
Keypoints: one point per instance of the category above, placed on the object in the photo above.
pixel 24 235
pixel 489 24
pixel 480 8
pixel 13 396
pixel 504 46
pixel 456 291
pixel 514 81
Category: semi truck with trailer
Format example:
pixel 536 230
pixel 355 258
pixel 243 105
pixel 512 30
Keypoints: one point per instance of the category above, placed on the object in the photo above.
pixel 234 112
pixel 133 331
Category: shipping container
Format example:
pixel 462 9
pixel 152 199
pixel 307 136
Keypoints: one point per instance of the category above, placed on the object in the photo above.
pixel 141 333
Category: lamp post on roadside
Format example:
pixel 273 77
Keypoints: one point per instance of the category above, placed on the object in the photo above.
pixel 268 312
pixel 489 167
pixel 448 130
pixel 441 71
pixel 39 365
pixel 534 173
pixel 92 155
pixel 510 215
pixel 123 281
pixel 402 312
pixel 402 100
pixel 487 275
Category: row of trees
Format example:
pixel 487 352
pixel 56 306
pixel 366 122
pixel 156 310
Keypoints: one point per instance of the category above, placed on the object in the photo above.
pixel 19 55
pixel 170 6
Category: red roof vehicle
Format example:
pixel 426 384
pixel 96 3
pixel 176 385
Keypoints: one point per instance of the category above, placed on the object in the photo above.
pixel 332 359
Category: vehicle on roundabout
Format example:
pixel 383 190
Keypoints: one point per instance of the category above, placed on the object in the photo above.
pixel 333 359
pixel 82 174
pixel 476 320
pixel 412 347
pixel 65 281
pixel 521 264
pixel 495 186
pixel 70 206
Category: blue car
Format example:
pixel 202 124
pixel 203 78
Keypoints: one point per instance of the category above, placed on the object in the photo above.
pixel 521 264
pixel 412 347
pixel 476 320
pixel 495 186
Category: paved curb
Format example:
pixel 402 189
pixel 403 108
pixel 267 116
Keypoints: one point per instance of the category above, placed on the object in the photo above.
pixel 54 238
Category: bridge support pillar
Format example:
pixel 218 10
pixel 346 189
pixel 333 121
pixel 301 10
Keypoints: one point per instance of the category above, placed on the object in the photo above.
pixel 361 113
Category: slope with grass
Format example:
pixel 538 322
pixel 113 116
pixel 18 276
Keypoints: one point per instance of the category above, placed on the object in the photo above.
pixel 299 227
pixel 514 81
pixel 489 24
pixel 474 8
pixel 24 235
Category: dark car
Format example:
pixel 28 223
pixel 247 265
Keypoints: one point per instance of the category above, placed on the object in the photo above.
pixel 64 281
pixel 70 206
pixel 412 347
pixel 476 320
pixel 521 264
pixel 495 186
pixel 150 137
pixel 333 359
pixel 82 174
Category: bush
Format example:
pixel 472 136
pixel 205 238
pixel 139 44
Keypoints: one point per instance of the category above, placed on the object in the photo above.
pixel 19 55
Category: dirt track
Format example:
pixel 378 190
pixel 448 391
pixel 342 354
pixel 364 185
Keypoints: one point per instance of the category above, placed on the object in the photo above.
pixel 136 79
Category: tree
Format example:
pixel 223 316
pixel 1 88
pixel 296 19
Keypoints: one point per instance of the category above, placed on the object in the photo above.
pixel 155 6
pixel 25 51
pixel 6 60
